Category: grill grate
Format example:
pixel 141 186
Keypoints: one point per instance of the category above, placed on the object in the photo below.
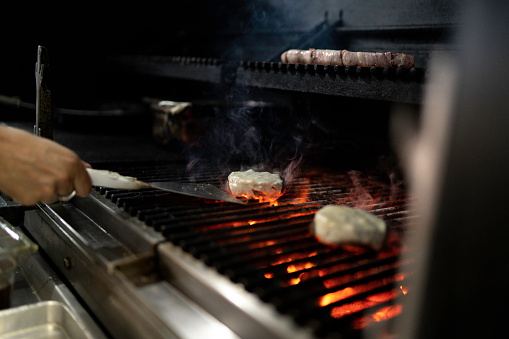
pixel 268 248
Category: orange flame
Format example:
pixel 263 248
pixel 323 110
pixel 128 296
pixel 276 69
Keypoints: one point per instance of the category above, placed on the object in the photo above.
pixel 291 197
pixel 261 199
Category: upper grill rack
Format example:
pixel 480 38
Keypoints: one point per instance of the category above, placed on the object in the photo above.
pixel 388 84
pixel 268 247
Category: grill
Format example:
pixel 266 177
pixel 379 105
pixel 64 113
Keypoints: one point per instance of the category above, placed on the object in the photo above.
pixel 269 250
pixel 250 270
pixel 155 264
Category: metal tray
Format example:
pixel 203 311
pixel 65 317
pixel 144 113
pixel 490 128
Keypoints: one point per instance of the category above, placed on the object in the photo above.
pixel 46 319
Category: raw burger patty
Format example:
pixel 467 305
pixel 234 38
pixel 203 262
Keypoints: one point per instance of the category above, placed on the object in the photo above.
pixel 263 186
pixel 341 225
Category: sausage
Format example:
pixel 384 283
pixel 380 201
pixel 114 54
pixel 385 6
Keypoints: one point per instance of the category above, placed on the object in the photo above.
pixel 347 58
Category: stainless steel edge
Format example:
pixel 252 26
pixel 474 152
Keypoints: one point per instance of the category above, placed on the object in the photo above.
pixel 128 230
pixel 240 310
pixel 154 309
pixel 186 318
pixel 110 296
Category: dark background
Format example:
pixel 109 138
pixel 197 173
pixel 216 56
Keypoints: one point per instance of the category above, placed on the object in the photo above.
pixel 81 36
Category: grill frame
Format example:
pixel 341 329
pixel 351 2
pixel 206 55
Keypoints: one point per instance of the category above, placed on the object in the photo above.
pixel 192 266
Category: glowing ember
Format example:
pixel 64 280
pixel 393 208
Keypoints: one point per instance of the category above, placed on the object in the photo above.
pixel 262 244
pixel 293 257
pixel 347 278
pixel 386 313
pixel 399 277
pixel 299 267
pixel 272 201
pixel 295 268
pixel 346 281
pixel 357 306
pixel 350 291
pixel 294 281
pixel 336 296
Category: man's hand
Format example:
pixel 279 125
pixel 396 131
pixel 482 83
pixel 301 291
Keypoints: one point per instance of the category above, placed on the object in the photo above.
pixel 35 169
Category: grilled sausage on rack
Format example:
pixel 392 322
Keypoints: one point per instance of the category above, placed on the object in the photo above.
pixel 347 58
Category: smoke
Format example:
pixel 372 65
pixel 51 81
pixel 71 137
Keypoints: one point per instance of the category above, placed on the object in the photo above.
pixel 363 192
pixel 260 137
pixel 390 168
pixel 359 194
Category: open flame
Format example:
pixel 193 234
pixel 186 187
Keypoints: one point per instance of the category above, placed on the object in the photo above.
pixel 260 198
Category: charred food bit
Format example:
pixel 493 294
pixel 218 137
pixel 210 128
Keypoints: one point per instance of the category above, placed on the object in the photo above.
pixel 347 58
pixel 341 225
pixel 263 186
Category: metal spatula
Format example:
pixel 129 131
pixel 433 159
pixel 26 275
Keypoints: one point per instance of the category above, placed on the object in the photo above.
pixel 115 180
